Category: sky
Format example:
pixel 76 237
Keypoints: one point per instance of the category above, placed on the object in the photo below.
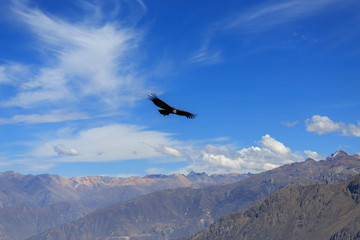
pixel 272 82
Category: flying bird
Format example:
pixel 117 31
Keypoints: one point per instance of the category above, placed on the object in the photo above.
pixel 167 109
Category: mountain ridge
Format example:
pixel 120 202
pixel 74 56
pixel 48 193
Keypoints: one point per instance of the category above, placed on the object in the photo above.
pixel 35 197
pixel 151 217
pixel 47 189
pixel 322 211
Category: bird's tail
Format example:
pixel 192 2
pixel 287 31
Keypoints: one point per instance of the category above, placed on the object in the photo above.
pixel 164 112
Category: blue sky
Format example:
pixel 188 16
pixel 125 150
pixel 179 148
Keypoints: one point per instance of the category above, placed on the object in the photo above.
pixel 272 82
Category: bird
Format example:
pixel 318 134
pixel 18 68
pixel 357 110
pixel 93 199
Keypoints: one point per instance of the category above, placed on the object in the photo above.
pixel 167 109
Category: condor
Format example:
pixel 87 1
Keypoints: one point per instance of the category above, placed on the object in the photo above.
pixel 167 109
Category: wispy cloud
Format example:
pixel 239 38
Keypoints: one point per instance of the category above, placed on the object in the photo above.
pixel 265 16
pixel 206 56
pixel 323 124
pixel 51 117
pixel 289 124
pixel 11 73
pixel 82 61
pixel 256 20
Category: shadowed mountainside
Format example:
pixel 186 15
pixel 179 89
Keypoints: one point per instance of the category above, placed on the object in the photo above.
pixel 181 212
pixel 303 212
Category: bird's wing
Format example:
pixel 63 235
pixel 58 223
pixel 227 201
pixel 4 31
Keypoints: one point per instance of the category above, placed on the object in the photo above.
pixel 159 103
pixel 185 113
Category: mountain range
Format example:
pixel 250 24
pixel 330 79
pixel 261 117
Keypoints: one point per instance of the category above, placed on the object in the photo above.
pixel 181 212
pixel 311 212
pixel 31 204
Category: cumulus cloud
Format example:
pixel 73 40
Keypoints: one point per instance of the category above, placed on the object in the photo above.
pixel 218 159
pixel 274 145
pixel 323 124
pixel 119 142
pixel 352 130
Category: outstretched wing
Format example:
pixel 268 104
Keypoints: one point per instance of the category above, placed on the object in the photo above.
pixel 159 103
pixel 185 113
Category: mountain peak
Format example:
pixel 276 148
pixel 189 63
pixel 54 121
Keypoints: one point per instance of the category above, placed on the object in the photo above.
pixel 338 155
pixel 194 174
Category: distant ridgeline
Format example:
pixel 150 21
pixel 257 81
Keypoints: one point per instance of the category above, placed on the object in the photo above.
pixel 176 213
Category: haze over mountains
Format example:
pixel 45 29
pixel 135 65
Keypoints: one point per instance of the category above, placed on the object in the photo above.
pixel 32 204
pixel 180 212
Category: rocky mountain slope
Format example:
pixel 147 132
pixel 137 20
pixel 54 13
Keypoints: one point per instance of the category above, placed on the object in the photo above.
pixel 181 212
pixel 46 189
pixel 32 204
pixel 304 212
pixel 20 221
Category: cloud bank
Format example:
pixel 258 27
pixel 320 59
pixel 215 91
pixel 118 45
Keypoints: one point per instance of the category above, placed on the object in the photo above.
pixel 114 142
pixel 220 159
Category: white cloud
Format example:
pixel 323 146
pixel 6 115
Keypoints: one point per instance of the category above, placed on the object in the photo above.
pixel 206 56
pixel 323 124
pixel 274 146
pixel 62 150
pixel 314 155
pixel 115 143
pixel 82 60
pixel 52 117
pixel 264 16
pixel 258 19
pixel 352 130
pixel 169 151
pixel 220 159
pixel 120 142
pixel 11 73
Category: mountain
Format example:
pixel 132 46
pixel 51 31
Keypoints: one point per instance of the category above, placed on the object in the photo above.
pixel 46 189
pixel 304 212
pixel 21 221
pixel 31 204
pixel 178 213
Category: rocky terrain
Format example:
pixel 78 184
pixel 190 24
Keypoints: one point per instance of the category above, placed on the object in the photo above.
pixel 20 221
pixel 31 204
pixel 46 189
pixel 305 212
pixel 178 213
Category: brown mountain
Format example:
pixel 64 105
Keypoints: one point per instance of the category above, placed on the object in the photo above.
pixel 303 212
pixel 46 189
pixel 181 212
pixel 32 204
pixel 21 221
